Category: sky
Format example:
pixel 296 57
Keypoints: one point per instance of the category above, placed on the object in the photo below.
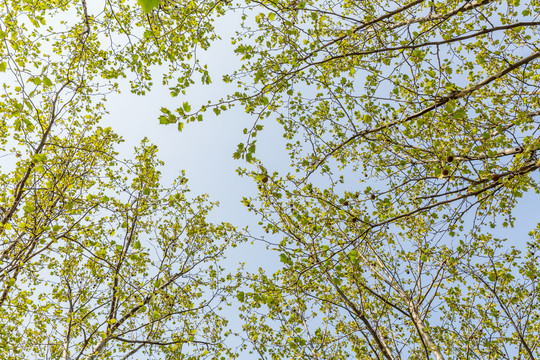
pixel 203 149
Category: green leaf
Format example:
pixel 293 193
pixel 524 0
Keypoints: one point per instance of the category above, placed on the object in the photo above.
pixel 460 114
pixel 285 259
pixel 186 107
pixel 148 5
pixel 164 120
pixel 39 158
pixel 450 106
pixel 47 81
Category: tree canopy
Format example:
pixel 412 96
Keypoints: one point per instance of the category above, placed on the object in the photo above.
pixel 98 260
pixel 412 130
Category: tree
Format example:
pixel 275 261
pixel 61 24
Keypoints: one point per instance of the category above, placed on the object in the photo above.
pixel 412 132
pixel 412 129
pixel 98 260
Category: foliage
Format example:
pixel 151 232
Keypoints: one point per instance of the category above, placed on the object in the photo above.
pixel 412 129
pixel 98 260
pixel 412 134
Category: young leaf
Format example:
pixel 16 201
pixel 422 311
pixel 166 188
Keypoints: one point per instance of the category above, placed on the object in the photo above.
pixel 148 5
